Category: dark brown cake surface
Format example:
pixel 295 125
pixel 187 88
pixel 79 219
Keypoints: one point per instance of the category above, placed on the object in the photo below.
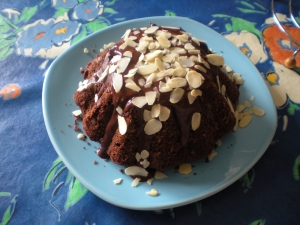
pixel 157 98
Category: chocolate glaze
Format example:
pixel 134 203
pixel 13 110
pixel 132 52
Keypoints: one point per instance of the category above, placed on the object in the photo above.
pixel 183 110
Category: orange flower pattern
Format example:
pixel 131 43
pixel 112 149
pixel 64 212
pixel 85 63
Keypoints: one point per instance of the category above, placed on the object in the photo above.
pixel 279 44
pixel 10 91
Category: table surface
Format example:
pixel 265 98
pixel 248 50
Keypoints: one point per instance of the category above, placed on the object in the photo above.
pixel 31 192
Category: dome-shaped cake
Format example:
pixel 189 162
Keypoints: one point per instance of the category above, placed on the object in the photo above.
pixel 157 98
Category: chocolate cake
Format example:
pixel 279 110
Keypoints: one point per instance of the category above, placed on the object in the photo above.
pixel 157 98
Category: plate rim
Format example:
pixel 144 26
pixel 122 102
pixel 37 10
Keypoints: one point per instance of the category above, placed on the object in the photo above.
pixel 161 205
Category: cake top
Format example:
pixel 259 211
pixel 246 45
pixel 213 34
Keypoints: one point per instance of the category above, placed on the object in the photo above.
pixel 154 69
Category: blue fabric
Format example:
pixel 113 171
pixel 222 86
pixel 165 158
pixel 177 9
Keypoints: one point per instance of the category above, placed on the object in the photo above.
pixel 30 191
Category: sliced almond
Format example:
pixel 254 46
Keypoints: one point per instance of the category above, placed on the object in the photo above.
pixel 245 121
pixel 133 87
pixel 258 111
pixel 183 37
pixel 214 59
pixel 200 68
pixel 164 113
pixel 176 95
pixel 133 37
pixel 147 115
pixel 144 154
pixel 186 62
pixel 117 181
pixel 159 64
pixel 191 98
pixel 206 64
pixel 105 73
pixel 115 59
pixel 155 111
pixel 249 112
pixel 212 154
pixel 145 163
pixel 169 57
pixel 194 51
pixel 152 55
pixel 131 72
pixel 223 90
pixel 112 68
pixel 240 107
pixel 196 119
pixel 117 82
pixel 196 92
pixel 151 30
pixel 163 41
pixel 142 46
pixel 128 54
pixel 136 171
pixel 139 101
pixel 189 46
pixel 123 46
pixel 138 156
pixel 194 78
pixel 185 168
pixel 176 82
pixel 165 73
pixel 239 81
pixel 147 69
pixel 151 96
pixel 160 175
pixel 123 64
pixel 149 181
pixel 247 104
pixel 131 43
pixel 178 50
pixel 141 82
pixel 152 193
pixel 196 41
pixel 126 34
pixel 152 126
pixel 230 105
pixel 122 125
pixel 119 110
pixel 77 112
pixel 135 182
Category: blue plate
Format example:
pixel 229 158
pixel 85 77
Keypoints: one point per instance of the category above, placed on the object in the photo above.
pixel 238 153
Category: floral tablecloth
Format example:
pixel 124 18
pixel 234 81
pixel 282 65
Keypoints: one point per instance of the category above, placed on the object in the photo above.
pixel 35 185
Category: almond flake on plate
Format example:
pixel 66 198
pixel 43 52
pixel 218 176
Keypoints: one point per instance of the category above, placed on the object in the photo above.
pixel 152 193
pixel 117 181
pixel 136 171
pixel 135 182
pixel 185 168
pixel 76 112
pixel 160 175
